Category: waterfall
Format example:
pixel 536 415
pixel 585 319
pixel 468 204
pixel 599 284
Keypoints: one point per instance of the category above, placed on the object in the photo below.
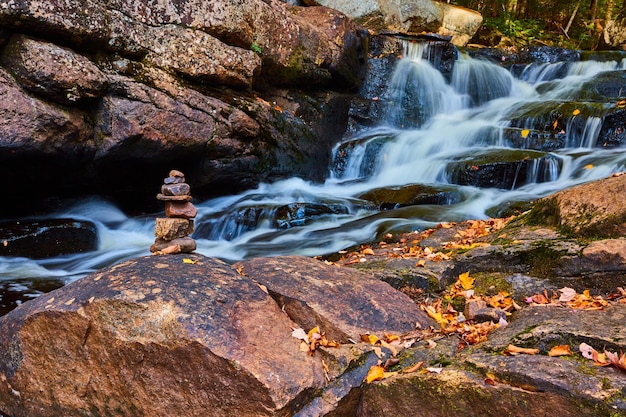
pixel 478 138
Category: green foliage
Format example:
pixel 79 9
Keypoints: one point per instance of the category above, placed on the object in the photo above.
pixel 524 32
pixel 256 48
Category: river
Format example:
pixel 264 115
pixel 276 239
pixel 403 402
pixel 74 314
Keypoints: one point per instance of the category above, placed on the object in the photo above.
pixel 433 125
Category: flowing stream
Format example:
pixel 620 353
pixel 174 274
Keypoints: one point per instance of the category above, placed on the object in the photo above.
pixel 434 129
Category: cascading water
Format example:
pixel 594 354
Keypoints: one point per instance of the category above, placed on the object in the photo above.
pixel 480 137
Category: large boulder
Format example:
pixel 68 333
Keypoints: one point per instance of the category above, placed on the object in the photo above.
pixel 412 17
pixel 196 336
pixel 345 303
pixel 595 209
pixel 188 335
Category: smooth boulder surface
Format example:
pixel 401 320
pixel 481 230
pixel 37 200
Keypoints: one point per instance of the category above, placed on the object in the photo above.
pixel 153 336
pixel 345 303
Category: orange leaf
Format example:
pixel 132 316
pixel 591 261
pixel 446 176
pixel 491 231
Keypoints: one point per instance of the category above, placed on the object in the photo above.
pixel 576 112
pixel 525 133
pixel 375 373
pixel 561 350
pixel 413 368
pixel 515 350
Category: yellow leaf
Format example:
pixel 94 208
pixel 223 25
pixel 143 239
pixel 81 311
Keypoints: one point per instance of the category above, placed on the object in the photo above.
pixel 588 166
pixel 435 315
pixel 189 261
pixel 561 350
pixel 525 133
pixel 576 112
pixel 375 373
pixel 369 338
pixel 466 281
pixel 314 333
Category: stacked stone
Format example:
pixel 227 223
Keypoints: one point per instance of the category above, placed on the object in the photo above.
pixel 173 232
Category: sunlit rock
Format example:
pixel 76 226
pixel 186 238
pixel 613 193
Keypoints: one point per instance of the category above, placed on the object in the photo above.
pixel 412 17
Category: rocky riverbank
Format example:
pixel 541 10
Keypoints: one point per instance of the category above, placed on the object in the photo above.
pixel 390 339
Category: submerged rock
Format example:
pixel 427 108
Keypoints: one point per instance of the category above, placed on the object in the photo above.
pixel 39 239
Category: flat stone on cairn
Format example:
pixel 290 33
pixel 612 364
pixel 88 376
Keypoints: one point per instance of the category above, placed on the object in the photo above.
pixel 172 232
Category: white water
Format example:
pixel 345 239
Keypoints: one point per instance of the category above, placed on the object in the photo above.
pixel 448 121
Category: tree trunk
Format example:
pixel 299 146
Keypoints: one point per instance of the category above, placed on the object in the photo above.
pixel 609 11
pixel 593 9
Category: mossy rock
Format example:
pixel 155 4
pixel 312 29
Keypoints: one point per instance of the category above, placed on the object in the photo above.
pixel 413 194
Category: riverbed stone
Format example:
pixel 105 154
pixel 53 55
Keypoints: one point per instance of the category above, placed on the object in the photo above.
pixel 175 189
pixel 197 336
pixel 344 303
pixel 595 209
pixel 170 228
pixel 184 210
pixel 184 244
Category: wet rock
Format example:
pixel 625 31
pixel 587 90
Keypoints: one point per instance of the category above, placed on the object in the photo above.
pixel 175 189
pixel 39 239
pixel 184 210
pixel 299 214
pixel 504 169
pixel 197 336
pixel 183 244
pixel 344 303
pixel 170 228
pixel 409 195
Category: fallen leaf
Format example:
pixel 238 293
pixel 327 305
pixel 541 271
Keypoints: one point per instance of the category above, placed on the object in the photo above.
pixel 375 373
pixel 590 353
pixel 413 368
pixel 264 289
pixel 369 338
pixel 368 251
pixel 588 166
pixel 619 361
pixel 576 112
pixel 300 334
pixel 525 133
pixel 567 294
pixel 516 350
pixel 466 281
pixel 561 350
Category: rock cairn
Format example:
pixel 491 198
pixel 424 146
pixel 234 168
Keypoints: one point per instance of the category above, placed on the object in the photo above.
pixel 173 232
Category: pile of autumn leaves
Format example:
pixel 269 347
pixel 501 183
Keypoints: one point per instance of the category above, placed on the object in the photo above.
pixel 454 323
pixel 469 332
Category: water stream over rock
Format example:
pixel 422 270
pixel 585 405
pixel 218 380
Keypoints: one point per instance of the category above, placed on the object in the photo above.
pixel 470 143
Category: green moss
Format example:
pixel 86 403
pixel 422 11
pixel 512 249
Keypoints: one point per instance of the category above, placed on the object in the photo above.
pixel 491 283
pixel 544 213
pixel 542 259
